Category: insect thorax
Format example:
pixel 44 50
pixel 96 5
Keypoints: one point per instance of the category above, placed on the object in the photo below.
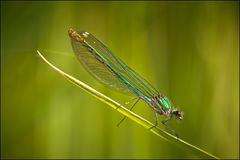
pixel 162 101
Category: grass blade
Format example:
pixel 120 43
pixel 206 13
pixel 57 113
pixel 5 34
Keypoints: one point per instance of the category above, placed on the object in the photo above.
pixel 131 115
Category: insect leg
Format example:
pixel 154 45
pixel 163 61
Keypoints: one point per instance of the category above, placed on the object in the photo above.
pixel 164 122
pixel 130 110
pixel 131 100
pixel 156 119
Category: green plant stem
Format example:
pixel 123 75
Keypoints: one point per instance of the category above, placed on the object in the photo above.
pixel 131 115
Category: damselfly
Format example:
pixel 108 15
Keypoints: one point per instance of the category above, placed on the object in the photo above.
pixel 106 67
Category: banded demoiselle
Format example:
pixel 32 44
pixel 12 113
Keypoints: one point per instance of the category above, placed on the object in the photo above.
pixel 107 68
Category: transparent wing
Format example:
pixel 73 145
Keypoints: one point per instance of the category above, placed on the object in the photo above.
pixel 85 50
pixel 98 69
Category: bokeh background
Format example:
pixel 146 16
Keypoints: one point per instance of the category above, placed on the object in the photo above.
pixel 188 50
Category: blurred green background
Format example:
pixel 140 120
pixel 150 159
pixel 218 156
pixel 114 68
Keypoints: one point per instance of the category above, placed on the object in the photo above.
pixel 188 50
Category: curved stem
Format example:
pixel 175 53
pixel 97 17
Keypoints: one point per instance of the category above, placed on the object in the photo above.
pixel 131 115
